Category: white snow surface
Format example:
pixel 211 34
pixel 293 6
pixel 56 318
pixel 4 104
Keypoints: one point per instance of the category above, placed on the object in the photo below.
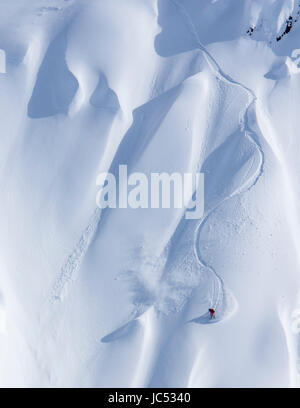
pixel 120 298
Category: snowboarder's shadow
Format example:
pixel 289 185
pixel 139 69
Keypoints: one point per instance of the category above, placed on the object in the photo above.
pixel 227 306
pixel 206 319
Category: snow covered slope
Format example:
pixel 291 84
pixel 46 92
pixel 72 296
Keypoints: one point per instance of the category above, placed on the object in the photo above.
pixel 120 297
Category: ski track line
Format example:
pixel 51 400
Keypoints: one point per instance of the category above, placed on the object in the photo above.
pixel 248 133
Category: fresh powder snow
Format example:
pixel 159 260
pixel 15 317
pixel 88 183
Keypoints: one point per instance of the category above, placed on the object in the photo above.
pixel 119 297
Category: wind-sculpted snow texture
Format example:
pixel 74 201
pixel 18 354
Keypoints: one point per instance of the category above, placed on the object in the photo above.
pixel 120 297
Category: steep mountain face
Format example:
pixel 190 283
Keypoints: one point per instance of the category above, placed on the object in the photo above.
pixel 120 297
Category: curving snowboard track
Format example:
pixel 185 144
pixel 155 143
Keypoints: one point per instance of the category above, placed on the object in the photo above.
pixel 220 294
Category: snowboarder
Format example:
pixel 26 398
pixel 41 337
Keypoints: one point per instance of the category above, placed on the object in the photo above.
pixel 212 313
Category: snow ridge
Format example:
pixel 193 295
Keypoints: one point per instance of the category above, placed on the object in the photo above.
pixel 68 270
